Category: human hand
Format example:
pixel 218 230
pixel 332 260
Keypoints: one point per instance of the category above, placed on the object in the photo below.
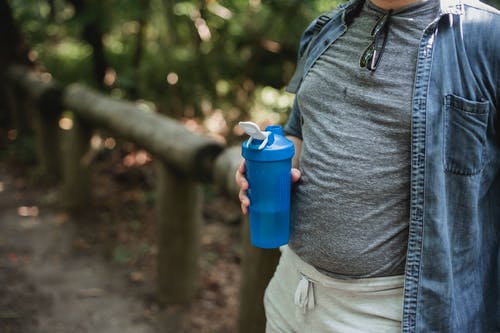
pixel 243 184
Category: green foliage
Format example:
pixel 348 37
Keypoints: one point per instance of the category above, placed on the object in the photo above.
pixel 494 3
pixel 241 45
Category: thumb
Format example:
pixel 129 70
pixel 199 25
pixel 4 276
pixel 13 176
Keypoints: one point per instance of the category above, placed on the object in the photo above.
pixel 295 175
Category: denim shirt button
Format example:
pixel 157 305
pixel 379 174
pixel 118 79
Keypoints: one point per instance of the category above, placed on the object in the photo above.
pixel 326 42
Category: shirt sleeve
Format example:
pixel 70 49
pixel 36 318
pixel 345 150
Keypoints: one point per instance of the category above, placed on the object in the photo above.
pixel 293 126
pixel 305 39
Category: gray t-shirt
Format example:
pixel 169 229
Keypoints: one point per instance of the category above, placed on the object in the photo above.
pixel 350 209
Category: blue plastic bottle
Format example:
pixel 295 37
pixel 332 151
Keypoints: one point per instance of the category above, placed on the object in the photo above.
pixel 268 158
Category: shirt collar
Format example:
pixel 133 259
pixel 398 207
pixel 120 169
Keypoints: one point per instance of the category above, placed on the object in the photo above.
pixel 451 7
pixel 353 7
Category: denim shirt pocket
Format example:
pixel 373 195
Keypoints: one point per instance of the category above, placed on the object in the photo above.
pixel 465 124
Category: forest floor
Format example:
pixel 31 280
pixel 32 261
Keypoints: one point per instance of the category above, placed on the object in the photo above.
pixel 96 271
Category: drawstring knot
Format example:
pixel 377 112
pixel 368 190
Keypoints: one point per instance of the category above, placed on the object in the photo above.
pixel 304 295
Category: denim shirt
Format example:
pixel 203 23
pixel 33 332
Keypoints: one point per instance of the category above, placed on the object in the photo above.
pixel 452 276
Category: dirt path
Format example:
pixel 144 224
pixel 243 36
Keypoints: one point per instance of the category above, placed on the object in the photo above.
pixel 48 286
pixel 95 272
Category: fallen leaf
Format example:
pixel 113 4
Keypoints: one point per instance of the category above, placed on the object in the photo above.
pixel 137 276
pixel 90 292
pixel 61 218
pixel 13 257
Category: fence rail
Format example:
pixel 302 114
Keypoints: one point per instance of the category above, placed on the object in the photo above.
pixel 184 161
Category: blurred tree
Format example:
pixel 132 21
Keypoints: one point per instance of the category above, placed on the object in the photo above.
pixel 194 58
pixel 92 17
pixel 139 46
pixel 494 3
pixel 13 49
pixel 12 45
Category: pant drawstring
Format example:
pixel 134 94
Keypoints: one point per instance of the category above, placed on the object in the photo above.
pixel 304 295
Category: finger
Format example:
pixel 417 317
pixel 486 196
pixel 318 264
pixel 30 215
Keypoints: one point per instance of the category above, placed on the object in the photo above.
pixel 295 175
pixel 241 181
pixel 245 202
pixel 240 173
pixel 243 198
pixel 244 209
pixel 242 167
pixel 237 177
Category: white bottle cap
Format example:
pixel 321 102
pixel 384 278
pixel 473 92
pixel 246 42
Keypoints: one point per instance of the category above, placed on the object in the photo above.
pixel 254 131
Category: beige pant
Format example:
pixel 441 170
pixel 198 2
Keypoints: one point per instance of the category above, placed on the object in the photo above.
pixel 299 299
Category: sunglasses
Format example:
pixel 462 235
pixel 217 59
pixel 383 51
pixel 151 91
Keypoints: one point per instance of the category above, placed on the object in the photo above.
pixel 371 56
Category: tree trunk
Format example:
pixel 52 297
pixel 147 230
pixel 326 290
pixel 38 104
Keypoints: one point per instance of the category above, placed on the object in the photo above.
pixel 92 33
pixel 12 46
pixel 13 49
pixel 135 91
pixel 171 21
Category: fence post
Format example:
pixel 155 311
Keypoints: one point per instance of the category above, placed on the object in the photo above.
pixel 39 101
pixel 45 113
pixel 258 266
pixel 178 209
pixel 76 170
pixel 18 117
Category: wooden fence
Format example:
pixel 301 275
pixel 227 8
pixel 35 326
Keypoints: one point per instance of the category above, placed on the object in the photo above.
pixel 183 162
